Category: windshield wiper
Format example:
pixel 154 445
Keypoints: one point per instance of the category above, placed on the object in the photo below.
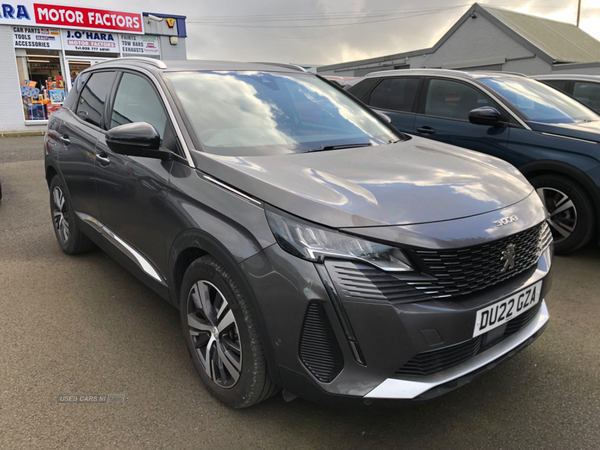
pixel 337 147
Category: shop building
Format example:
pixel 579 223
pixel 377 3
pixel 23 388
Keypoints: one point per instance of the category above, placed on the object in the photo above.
pixel 43 47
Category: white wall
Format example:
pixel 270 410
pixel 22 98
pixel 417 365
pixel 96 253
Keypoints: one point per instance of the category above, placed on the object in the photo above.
pixel 476 39
pixel 169 51
pixel 11 106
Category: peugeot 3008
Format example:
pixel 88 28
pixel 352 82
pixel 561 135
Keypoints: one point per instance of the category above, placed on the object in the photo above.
pixel 308 245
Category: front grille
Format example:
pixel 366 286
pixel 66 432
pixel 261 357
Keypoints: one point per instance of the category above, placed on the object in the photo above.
pixel 432 361
pixel 319 349
pixel 460 272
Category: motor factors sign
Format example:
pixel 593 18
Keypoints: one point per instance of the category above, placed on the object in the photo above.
pixel 90 41
pixel 33 37
pixel 30 14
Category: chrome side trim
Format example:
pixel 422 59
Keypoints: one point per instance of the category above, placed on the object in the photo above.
pixel 114 239
pixel 233 190
pixel 568 137
pixel 393 388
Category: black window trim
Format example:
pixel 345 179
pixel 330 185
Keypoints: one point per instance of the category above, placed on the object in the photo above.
pixel 76 103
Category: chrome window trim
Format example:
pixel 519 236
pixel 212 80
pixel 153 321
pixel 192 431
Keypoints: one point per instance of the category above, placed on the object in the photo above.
pixel 118 242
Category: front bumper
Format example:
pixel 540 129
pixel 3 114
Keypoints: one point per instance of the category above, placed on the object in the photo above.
pixel 394 388
pixel 387 335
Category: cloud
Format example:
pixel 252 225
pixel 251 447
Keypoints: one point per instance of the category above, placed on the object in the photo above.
pixel 336 37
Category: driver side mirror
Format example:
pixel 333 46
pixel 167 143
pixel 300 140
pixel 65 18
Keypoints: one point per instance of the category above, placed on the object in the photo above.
pixel 137 139
pixel 486 115
pixel 384 116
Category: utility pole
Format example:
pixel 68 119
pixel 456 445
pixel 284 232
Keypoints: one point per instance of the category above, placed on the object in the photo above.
pixel 578 11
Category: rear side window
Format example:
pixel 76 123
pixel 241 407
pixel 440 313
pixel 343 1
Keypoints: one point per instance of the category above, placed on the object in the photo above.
pixel 90 106
pixel 588 94
pixel 360 90
pixel 397 94
pixel 453 100
pixel 561 85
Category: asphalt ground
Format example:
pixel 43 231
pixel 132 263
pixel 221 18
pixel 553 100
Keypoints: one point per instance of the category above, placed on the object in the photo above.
pixel 83 325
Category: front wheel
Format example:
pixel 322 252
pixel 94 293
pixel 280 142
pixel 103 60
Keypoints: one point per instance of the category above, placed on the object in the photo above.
pixel 71 240
pixel 222 337
pixel 570 209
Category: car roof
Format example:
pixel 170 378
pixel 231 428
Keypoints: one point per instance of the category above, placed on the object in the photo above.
pixel 568 76
pixel 444 72
pixel 202 65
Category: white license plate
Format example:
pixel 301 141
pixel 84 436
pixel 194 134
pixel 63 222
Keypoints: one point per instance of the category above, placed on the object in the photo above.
pixel 501 312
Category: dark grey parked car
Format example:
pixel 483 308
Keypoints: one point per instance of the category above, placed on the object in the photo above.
pixel 308 245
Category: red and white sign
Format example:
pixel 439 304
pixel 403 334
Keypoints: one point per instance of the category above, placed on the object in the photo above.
pixel 27 13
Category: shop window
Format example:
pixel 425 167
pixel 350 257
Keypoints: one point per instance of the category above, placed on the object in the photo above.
pixel 41 82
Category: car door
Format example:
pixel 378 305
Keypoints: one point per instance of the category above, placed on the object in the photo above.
pixel 444 116
pixel 132 190
pixel 397 97
pixel 79 132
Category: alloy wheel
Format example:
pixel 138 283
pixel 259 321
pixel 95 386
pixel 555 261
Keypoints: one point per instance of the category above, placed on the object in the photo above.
pixel 59 214
pixel 214 333
pixel 561 210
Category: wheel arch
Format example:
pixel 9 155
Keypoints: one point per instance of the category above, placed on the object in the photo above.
pixel 543 167
pixel 193 244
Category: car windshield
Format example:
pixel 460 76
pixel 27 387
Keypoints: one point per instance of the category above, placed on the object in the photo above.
pixel 538 102
pixel 249 113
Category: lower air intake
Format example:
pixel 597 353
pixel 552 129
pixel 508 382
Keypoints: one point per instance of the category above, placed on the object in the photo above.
pixel 319 349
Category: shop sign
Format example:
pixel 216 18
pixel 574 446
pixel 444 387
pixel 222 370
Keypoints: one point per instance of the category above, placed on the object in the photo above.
pixel 33 37
pixel 27 13
pixel 90 41
pixel 142 45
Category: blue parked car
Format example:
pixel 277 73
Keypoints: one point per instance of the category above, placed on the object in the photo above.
pixel 551 138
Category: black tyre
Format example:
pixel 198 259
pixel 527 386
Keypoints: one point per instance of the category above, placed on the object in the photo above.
pixel 572 214
pixel 222 337
pixel 71 240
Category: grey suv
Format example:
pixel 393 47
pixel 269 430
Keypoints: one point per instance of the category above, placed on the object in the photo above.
pixel 308 245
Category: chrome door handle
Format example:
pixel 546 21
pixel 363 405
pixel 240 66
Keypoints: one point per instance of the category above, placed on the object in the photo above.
pixel 65 139
pixel 103 158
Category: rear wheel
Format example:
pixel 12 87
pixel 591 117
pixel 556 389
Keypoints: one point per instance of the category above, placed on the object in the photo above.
pixel 71 240
pixel 222 337
pixel 571 211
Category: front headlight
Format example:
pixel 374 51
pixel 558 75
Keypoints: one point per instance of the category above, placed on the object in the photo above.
pixel 314 243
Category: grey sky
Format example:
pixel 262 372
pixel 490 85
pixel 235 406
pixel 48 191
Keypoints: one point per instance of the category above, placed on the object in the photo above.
pixel 331 31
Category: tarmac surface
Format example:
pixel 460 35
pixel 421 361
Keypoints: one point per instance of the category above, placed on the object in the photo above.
pixel 84 325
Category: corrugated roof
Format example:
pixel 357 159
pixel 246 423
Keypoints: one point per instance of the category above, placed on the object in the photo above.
pixel 561 41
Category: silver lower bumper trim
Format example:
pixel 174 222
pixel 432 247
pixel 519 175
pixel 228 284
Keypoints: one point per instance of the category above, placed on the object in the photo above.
pixel 393 388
